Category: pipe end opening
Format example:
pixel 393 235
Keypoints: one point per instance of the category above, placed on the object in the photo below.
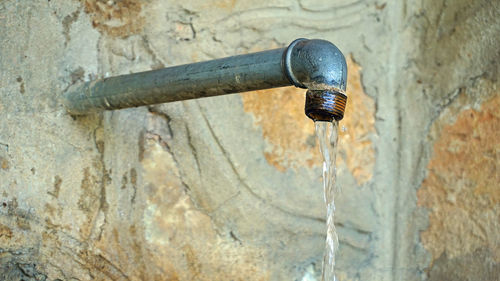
pixel 325 105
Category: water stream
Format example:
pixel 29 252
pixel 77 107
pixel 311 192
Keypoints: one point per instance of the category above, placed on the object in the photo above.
pixel 327 134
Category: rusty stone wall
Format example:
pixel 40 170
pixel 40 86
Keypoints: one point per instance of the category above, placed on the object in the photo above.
pixel 229 188
pixel 449 179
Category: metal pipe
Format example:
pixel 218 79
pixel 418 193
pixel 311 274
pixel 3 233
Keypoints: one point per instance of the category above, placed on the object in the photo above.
pixel 313 64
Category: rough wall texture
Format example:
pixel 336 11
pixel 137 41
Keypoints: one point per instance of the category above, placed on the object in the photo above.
pixel 228 188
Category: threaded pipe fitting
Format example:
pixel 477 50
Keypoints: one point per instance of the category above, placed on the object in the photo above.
pixel 325 105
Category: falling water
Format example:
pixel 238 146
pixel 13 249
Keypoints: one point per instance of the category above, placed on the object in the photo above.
pixel 327 134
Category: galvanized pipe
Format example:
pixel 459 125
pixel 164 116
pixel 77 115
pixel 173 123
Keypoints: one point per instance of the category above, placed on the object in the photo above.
pixel 314 64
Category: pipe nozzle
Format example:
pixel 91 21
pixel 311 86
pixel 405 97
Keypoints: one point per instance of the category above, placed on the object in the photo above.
pixel 325 105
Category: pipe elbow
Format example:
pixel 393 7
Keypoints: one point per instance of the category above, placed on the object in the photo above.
pixel 316 65
pixel 320 67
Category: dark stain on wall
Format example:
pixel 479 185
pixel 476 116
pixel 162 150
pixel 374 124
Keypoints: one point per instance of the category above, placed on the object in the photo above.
pixel 478 266
pixel 67 22
pixel 116 18
pixel 22 90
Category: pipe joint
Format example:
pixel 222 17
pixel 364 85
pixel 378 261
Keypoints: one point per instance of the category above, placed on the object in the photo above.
pixel 316 65
pixel 320 67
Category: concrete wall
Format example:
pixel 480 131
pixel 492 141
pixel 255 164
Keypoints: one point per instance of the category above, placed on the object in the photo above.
pixel 228 188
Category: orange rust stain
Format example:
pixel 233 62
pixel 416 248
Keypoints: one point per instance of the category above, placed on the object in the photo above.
pixel 116 18
pixel 290 134
pixel 462 187
pixel 4 164
pixel 225 4
pixel 280 113
pixel 5 232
